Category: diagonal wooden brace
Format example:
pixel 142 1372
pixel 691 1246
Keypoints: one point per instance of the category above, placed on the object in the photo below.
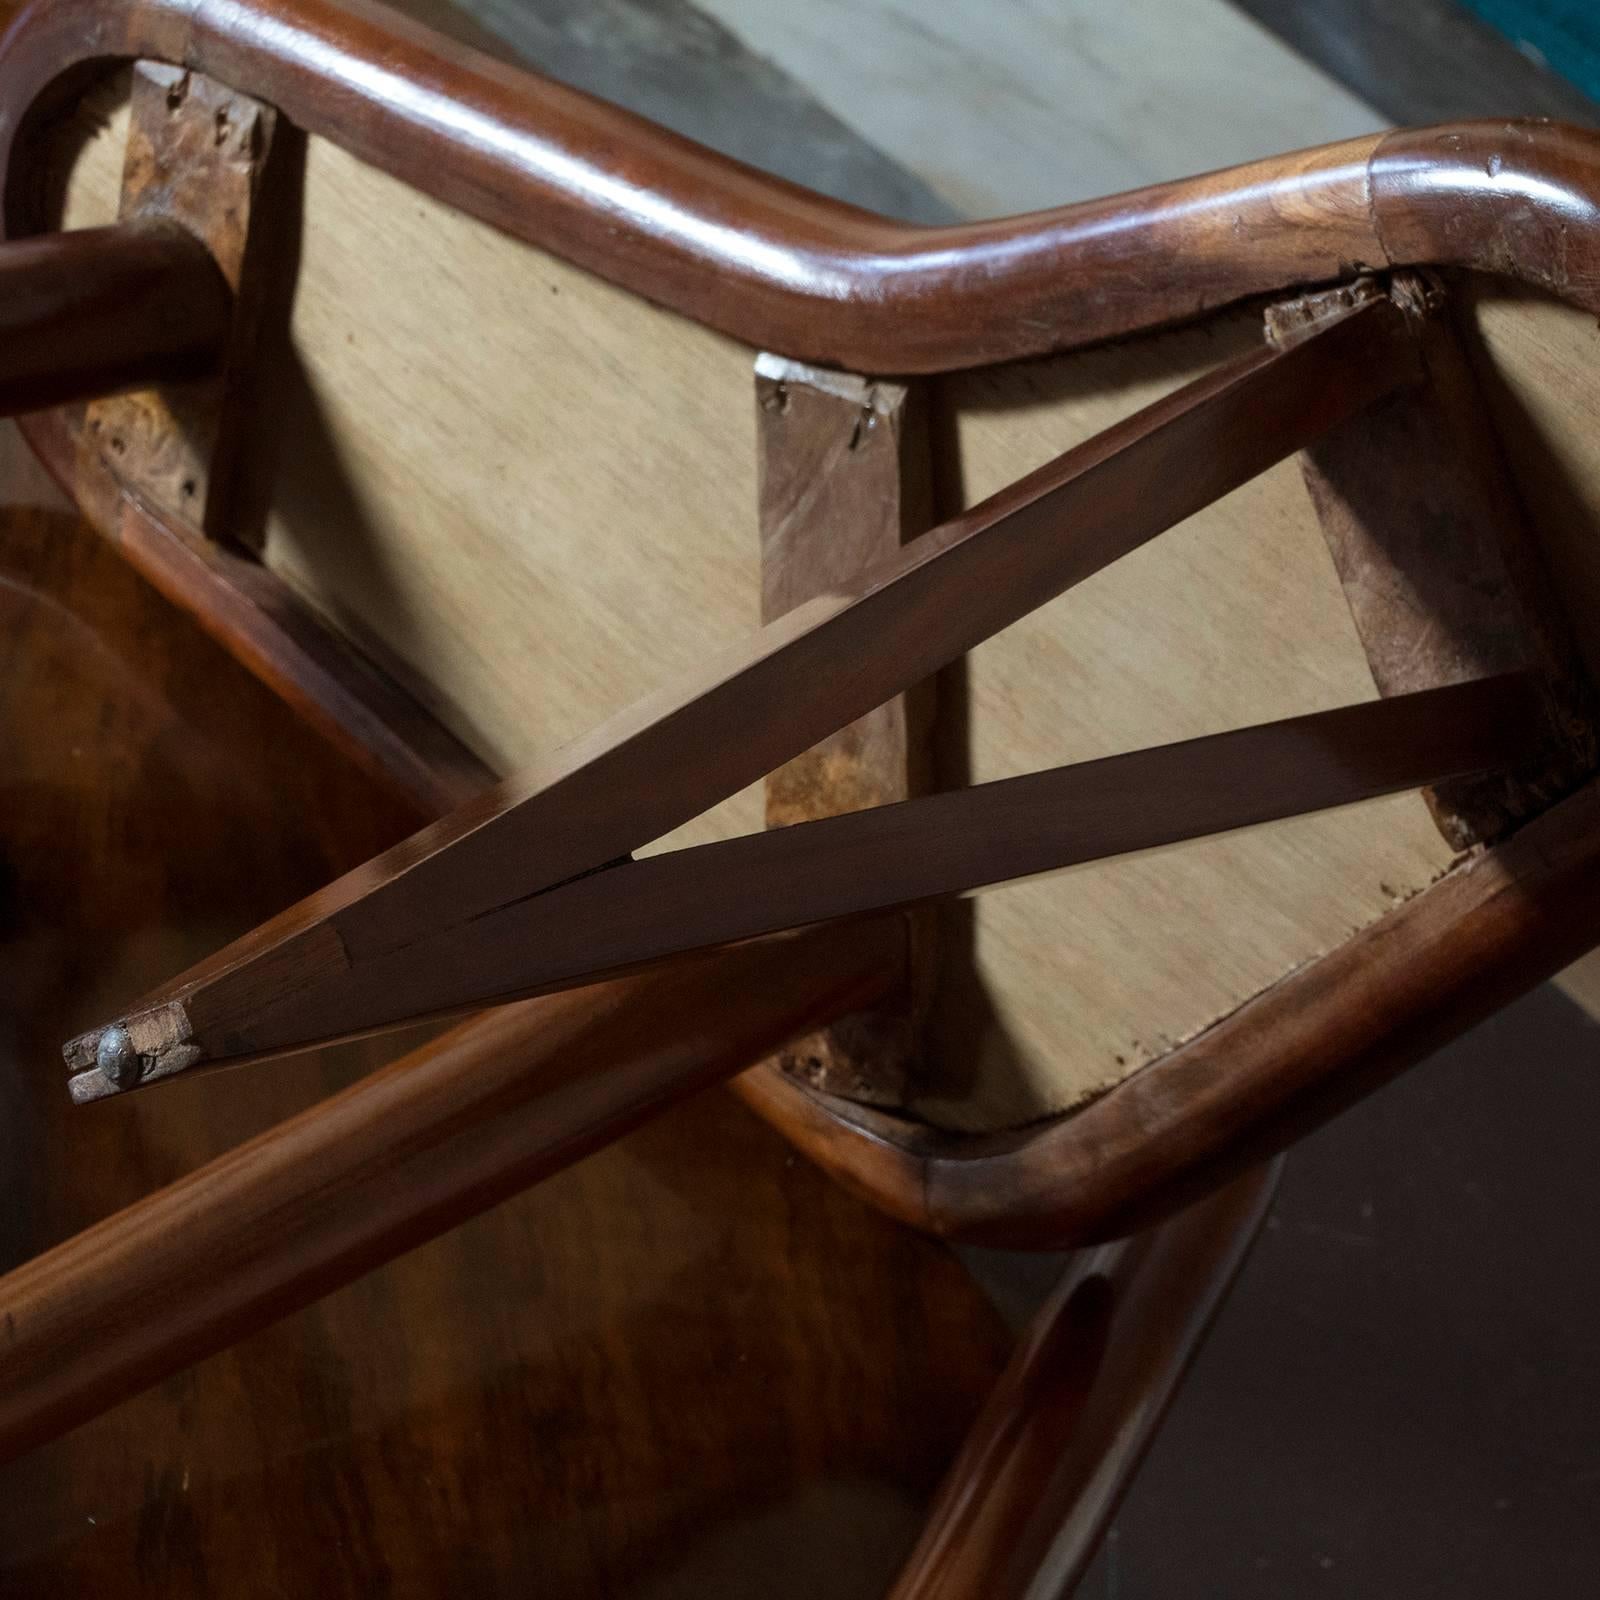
pixel 463 914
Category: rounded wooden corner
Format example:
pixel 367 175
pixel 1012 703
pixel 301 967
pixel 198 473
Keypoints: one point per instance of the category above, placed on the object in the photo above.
pixel 1283 1063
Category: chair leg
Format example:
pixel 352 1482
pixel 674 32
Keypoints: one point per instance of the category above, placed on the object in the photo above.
pixel 1022 1510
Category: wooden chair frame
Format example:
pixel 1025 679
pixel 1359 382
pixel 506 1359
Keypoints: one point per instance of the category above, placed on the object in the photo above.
pixel 468 900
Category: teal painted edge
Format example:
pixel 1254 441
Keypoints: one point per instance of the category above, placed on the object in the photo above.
pixel 1565 34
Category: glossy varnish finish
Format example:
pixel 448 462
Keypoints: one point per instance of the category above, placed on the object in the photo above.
pixel 445 1424
pixel 787 270
pixel 1262 1077
pixel 252 613
pixel 1507 199
pixel 413 1150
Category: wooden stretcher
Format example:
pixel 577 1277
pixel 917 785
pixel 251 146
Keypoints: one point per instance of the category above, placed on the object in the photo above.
pixel 502 432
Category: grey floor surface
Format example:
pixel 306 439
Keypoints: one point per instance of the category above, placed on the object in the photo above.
pixel 1402 1396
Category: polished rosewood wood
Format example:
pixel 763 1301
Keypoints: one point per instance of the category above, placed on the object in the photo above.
pixel 103 309
pixel 1215 239
pixel 268 630
pixel 396 1159
pixel 340 954
pixel 1442 572
pixel 1022 1509
pixel 1517 200
pixel 1510 199
pixel 787 270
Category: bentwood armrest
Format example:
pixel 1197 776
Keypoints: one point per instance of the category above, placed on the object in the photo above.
pixel 788 270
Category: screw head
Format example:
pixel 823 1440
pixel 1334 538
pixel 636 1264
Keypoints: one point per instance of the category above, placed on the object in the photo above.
pixel 116 1057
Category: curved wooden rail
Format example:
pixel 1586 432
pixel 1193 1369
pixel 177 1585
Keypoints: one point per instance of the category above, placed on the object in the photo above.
pixel 398 1158
pixel 788 270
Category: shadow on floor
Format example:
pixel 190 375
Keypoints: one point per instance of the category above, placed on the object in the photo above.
pixel 1403 1394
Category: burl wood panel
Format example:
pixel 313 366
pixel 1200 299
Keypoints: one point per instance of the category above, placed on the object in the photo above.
pixel 507 1409
pixel 843 481
pixel 197 156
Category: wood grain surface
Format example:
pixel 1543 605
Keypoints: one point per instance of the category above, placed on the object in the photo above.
pixel 448 1422
pixel 427 537
pixel 845 480
pixel 434 1138
pixel 1438 563
pixel 198 159
pixel 1024 1506
pixel 783 268
pixel 249 1002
